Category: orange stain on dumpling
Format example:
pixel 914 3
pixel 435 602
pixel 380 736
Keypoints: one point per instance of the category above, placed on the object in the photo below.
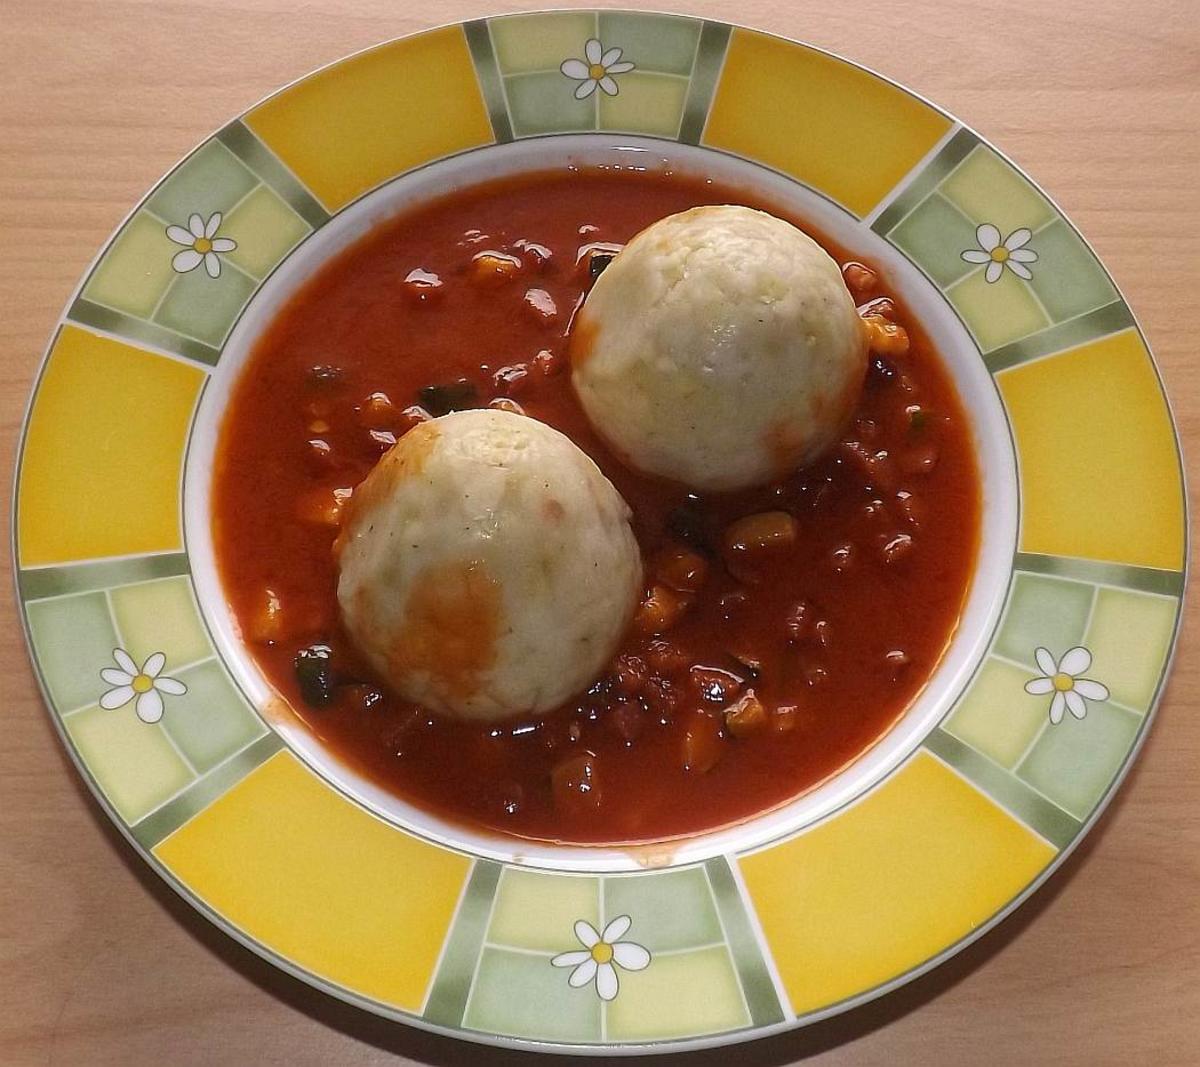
pixel 407 458
pixel 582 341
pixel 451 628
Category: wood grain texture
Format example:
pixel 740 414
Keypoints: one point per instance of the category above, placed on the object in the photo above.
pixel 100 963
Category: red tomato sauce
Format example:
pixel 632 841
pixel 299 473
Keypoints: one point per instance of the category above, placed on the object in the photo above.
pixel 834 633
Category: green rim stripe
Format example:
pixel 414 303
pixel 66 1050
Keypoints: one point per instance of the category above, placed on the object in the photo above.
pixel 1025 804
pixel 761 997
pixel 138 331
pixel 483 55
pixel 43 582
pixel 452 983
pixel 264 163
pixel 163 822
pixel 706 72
pixel 923 183
pixel 1122 575
pixel 1106 320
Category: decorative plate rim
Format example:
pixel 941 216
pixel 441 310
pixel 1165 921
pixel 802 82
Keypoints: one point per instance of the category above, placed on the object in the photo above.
pixel 654 1045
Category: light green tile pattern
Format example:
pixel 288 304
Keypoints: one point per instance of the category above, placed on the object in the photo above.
pixel 987 189
pixel 544 103
pixel 691 986
pixel 663 43
pixel 135 277
pixel 538 911
pixel 161 616
pixel 996 716
pixel 73 638
pixel 997 312
pixel 676 996
pixel 210 722
pixel 524 996
pixel 1067 278
pixel 647 103
pixel 673 910
pixel 211 179
pixel 1047 612
pixel 266 228
pixel 651 99
pixel 1074 762
pixel 202 307
pixel 1129 637
pixel 934 235
pixel 136 270
pixel 540 42
pixel 132 761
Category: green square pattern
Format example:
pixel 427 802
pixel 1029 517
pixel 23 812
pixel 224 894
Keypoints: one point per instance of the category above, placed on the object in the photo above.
pixel 647 103
pixel 73 639
pixel 998 312
pixel 1129 638
pixel 210 722
pixel 996 716
pixel 987 189
pixel 933 235
pixel 650 99
pixel 1074 762
pixel 524 996
pixel 136 270
pixel 672 910
pixel 133 762
pixel 202 307
pixel 160 616
pixel 136 275
pixel 1043 612
pixel 537 912
pixel 211 179
pixel 540 42
pixel 663 43
pixel 545 103
pixel 266 229
pixel 679 995
pixel 690 986
pixel 1067 278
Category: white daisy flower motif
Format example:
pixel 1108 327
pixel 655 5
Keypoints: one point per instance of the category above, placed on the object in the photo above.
pixel 601 955
pixel 202 245
pixel 144 683
pixel 597 71
pixel 998 254
pixel 1071 693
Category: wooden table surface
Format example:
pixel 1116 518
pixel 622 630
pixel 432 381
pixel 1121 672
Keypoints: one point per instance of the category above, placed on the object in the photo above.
pixel 100 963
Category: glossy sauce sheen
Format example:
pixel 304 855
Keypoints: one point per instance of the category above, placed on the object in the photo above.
pixel 873 629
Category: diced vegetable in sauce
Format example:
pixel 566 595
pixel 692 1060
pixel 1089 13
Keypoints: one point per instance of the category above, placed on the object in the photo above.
pixel 315 675
pixel 450 396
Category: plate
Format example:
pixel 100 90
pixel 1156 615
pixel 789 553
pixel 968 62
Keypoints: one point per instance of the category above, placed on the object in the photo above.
pixel 930 838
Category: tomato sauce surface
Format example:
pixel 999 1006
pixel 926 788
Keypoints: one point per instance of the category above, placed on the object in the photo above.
pixel 833 636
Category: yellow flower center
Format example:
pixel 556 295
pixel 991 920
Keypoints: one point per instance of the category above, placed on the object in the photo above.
pixel 596 71
pixel 142 683
pixel 999 253
pixel 1064 683
pixel 203 244
pixel 602 952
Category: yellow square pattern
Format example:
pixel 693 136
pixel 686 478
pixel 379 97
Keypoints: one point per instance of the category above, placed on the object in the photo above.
pixel 104 452
pixel 316 879
pixel 1099 472
pixel 538 911
pixel 902 875
pixel 837 128
pixel 346 129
